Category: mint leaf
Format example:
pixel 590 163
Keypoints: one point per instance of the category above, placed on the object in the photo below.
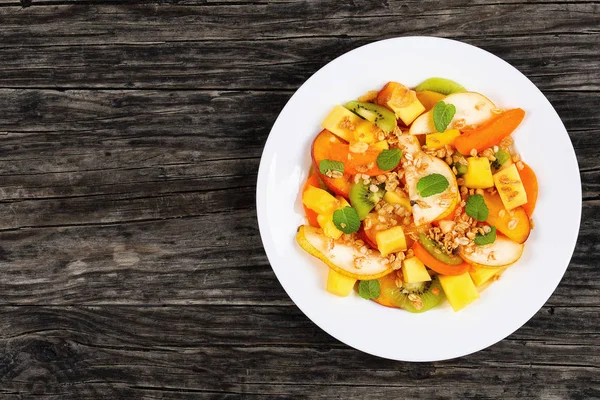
pixel 346 220
pixel 369 289
pixel 442 115
pixel 328 166
pixel 488 238
pixel 476 208
pixel 389 159
pixel 432 184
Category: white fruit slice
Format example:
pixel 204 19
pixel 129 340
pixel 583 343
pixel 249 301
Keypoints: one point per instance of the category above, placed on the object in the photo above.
pixel 343 258
pixel 428 209
pixel 501 253
pixel 409 144
pixel 472 108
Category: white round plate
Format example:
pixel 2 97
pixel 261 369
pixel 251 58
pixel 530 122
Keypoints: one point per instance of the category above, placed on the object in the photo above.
pixel 440 333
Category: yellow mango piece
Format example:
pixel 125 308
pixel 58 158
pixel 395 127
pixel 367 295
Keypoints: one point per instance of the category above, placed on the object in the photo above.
pixel 338 284
pixel 429 98
pixel 343 202
pixel 391 240
pixel 510 187
pixel 326 221
pixel 329 229
pixel 460 290
pixel 410 112
pixel 479 173
pixel 395 198
pixel 366 132
pixel 383 145
pixel 342 122
pixel 414 271
pixel 482 275
pixel 319 200
pixel 441 139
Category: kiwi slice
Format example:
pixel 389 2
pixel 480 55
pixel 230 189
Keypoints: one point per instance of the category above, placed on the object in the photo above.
pixel 437 252
pixel 426 295
pixel 363 200
pixel 380 116
pixel 440 85
pixel 461 169
pixel 502 157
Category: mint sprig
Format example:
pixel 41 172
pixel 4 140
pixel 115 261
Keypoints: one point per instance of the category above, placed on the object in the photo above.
pixel 346 220
pixel 442 115
pixel 331 165
pixel 488 238
pixel 476 208
pixel 432 184
pixel 369 289
pixel 387 160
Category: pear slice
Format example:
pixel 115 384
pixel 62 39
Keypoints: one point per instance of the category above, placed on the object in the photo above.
pixel 409 144
pixel 343 258
pixel 502 253
pixel 471 109
pixel 438 206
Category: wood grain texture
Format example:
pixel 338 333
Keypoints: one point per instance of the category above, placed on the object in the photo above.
pixel 131 263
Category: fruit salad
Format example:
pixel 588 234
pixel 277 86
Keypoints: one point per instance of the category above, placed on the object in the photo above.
pixel 417 196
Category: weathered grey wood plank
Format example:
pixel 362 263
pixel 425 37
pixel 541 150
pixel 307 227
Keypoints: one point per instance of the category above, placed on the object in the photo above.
pixel 562 62
pixel 112 23
pixel 200 346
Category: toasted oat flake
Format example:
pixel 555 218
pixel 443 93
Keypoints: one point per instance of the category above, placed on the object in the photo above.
pixel 502 213
pixel 358 147
pixel 345 123
pixel 374 188
pixel 531 223
pixel 512 224
pixel 358 262
pixel 520 165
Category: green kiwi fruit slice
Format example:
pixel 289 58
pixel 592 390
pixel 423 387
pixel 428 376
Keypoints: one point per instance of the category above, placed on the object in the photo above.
pixel 437 252
pixel 440 85
pixel 425 295
pixel 461 169
pixel 380 116
pixel 363 200
pixel 502 157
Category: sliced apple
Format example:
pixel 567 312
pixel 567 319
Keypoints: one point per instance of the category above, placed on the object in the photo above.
pixel 438 206
pixel 471 109
pixel 343 258
pixel 503 252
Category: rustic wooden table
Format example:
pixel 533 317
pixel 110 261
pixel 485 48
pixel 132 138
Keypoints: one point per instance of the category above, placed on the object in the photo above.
pixel 130 260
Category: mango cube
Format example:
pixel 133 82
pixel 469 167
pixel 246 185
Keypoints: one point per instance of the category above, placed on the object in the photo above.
pixel 366 132
pixel 395 198
pixel 319 200
pixel 342 122
pixel 343 202
pixel 329 229
pixel 414 271
pixel 410 112
pixel 479 173
pixel 441 139
pixel 383 145
pixel 338 284
pixel 482 275
pixel 460 290
pixel 510 187
pixel 391 240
